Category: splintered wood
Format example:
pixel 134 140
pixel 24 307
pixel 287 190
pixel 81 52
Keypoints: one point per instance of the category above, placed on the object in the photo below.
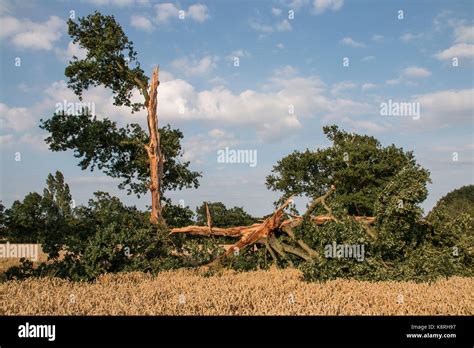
pixel 264 232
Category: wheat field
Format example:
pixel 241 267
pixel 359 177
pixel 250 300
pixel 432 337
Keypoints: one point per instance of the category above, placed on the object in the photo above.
pixel 273 292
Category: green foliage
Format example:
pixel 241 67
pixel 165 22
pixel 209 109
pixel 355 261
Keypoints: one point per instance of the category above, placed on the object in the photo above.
pixel 224 217
pixel 23 221
pixel 177 216
pixel 358 165
pixel 86 241
pixel 457 202
pixel 119 152
pixel 109 61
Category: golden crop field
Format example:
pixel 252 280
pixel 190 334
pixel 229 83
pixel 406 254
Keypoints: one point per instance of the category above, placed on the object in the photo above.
pixel 274 292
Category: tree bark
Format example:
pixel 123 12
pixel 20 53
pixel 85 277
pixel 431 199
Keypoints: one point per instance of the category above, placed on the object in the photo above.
pixel 154 150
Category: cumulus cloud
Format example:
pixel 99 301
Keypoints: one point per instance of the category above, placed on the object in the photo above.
pixel 199 146
pixel 141 22
pixel 321 6
pixel 25 34
pixel 278 107
pixel 415 72
pixel 463 46
pixel 337 88
pixel 16 118
pixel 461 50
pixel 72 50
pixel 408 74
pixel 367 86
pixel 447 107
pixel 347 41
pixel 195 67
pixel 197 12
pixel 265 29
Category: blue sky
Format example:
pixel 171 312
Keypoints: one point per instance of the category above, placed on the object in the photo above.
pixel 290 57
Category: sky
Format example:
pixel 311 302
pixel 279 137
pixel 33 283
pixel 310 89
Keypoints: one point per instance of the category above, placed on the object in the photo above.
pixel 262 76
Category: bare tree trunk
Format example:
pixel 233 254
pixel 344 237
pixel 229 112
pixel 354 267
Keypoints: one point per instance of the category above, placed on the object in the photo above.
pixel 154 150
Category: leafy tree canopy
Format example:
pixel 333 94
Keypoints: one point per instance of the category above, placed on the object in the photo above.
pixel 358 165
pixel 111 60
pixel 119 152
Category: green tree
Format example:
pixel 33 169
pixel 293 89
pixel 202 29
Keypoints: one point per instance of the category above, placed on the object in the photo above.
pixel 111 61
pixel 222 216
pixel 457 202
pixel 24 221
pixel 358 165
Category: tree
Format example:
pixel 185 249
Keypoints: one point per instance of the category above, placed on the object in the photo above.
pixel 456 202
pixel 358 165
pixel 127 153
pixel 24 220
pixel 223 217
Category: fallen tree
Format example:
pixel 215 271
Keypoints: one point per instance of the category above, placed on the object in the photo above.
pixel 264 232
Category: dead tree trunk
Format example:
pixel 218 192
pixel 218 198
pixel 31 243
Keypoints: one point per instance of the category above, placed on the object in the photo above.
pixel 153 149
pixel 264 232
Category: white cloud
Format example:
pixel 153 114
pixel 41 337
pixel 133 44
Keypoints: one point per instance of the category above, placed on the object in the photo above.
pixel 141 22
pixel 286 71
pixel 72 49
pixel 166 11
pixel 364 125
pixel 266 111
pixel 321 6
pixel 347 41
pixel 408 37
pixel 35 142
pixel 284 25
pixel 461 50
pixel 295 4
pixel 463 46
pixel 415 72
pixel 241 53
pixel 408 74
pixel 25 34
pixel 448 107
pixel 198 12
pixel 198 146
pixel 265 29
pixel 367 86
pixel 280 46
pixel 337 88
pixel 195 67
pixel 7 139
pixel 464 34
pixel 16 118
pixel 377 38
pixel 276 11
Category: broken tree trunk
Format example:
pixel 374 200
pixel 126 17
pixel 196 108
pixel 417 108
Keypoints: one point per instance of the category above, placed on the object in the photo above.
pixel 264 232
pixel 154 150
